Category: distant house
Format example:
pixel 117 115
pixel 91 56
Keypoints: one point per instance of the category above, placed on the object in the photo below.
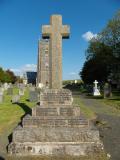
pixel 31 77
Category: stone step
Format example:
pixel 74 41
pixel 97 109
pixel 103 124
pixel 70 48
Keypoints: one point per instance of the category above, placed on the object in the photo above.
pixel 56 111
pixel 56 97
pixel 55 148
pixel 54 121
pixel 62 134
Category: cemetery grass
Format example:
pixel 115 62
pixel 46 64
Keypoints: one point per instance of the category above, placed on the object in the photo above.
pixel 114 101
pixel 88 113
pixel 10 114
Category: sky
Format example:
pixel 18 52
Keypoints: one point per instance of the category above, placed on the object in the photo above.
pixel 20 30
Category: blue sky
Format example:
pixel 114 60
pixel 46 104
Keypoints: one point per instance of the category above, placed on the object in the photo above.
pixel 20 30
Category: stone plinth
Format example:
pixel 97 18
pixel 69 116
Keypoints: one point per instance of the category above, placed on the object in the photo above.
pixel 56 97
pixel 56 121
pixel 56 111
pixel 56 127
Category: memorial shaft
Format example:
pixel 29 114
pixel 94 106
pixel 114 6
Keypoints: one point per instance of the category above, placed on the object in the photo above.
pixel 55 31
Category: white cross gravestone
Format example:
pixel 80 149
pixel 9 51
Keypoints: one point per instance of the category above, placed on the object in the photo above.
pixel 96 91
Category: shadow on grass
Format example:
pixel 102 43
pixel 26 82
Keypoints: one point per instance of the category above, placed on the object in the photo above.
pixel 114 99
pixel 89 96
pixel 27 110
pixel 1 158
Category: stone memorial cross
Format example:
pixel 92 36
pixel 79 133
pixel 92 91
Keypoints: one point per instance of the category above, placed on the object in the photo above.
pixel 55 31
pixel 96 92
pixel 96 82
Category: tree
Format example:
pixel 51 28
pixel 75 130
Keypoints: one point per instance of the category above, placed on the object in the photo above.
pixel 7 76
pixel 1 75
pixel 103 54
pixel 11 77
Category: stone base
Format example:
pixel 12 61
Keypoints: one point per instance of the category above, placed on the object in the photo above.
pixel 59 134
pixel 54 121
pixel 55 148
pixel 55 128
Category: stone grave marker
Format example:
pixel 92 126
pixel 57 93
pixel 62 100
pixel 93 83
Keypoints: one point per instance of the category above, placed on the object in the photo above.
pixel 107 90
pixel 33 96
pixel 32 88
pixel 96 91
pixel 56 127
pixel 5 86
pixel 10 91
pixel 15 99
pixel 1 96
pixel 21 92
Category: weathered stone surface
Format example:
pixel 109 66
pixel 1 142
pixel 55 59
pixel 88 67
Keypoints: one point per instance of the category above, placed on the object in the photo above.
pixel 15 99
pixel 43 63
pixel 55 148
pixel 56 97
pixel 56 121
pixel 55 31
pixel 59 134
pixel 56 111
pixel 10 91
pixel 1 98
pixel 33 96
pixel 55 127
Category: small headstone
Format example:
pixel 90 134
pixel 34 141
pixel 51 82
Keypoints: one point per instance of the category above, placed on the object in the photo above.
pixel 32 88
pixel 10 91
pixel 96 91
pixel 107 90
pixel 33 96
pixel 1 91
pixel 21 92
pixel 1 98
pixel 75 81
pixel 5 86
pixel 15 99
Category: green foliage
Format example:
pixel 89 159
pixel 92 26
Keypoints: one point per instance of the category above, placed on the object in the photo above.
pixel 103 54
pixel 7 76
pixel 66 82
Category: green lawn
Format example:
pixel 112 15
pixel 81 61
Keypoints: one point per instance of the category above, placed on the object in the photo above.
pixel 114 100
pixel 85 110
pixel 10 114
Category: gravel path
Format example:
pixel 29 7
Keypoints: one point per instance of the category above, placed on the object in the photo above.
pixel 109 125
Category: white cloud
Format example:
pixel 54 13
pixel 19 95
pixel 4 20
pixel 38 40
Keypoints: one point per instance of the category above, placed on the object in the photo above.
pixel 29 67
pixel 72 73
pixel 89 35
pixel 24 68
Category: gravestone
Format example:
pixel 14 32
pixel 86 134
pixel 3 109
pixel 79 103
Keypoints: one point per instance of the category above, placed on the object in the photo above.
pixel 56 127
pixel 1 91
pixel 107 90
pixel 96 91
pixel 10 91
pixel 15 99
pixel 31 88
pixel 1 98
pixel 21 92
pixel 33 96
pixel 5 86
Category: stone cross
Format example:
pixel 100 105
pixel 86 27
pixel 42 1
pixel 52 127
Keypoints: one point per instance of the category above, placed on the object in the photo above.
pixel 96 82
pixel 55 31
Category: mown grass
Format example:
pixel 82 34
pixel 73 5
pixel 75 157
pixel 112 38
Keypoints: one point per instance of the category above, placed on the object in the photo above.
pixel 113 101
pixel 10 114
pixel 85 110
